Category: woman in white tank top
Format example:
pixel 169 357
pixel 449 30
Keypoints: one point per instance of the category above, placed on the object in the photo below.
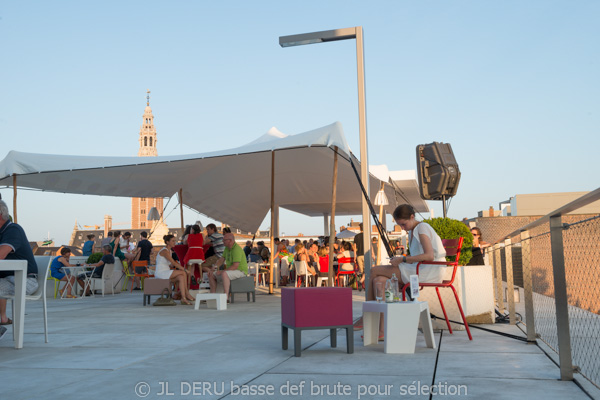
pixel 178 276
pixel 425 245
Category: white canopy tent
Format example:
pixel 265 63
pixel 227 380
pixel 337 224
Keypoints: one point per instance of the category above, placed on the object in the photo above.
pixel 232 186
pixel 406 187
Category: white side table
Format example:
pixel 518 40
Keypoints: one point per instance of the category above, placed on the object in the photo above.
pixel 20 269
pixel 216 300
pixel 400 325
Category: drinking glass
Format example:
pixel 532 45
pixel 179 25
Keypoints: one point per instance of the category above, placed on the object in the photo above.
pixel 379 291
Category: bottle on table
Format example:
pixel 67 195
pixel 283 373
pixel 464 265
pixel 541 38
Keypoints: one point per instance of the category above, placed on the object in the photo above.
pixel 395 288
pixel 389 291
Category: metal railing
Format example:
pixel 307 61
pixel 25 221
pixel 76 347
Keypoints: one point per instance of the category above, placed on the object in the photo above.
pixel 560 260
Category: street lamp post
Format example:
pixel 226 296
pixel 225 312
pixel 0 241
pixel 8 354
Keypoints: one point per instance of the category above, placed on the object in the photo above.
pixel 332 36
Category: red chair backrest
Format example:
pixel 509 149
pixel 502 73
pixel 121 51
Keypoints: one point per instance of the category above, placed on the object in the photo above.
pixel 453 247
pixel 324 264
pixel 345 260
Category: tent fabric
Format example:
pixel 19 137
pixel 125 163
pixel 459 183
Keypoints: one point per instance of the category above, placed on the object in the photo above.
pixel 232 186
pixel 405 186
pixel 346 234
pixel 407 190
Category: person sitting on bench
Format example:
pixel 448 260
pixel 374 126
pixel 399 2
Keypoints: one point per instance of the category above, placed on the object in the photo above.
pixel 236 266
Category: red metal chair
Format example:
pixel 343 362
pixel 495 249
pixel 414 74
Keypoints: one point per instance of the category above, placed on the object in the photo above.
pixel 340 273
pixel 141 275
pixel 453 248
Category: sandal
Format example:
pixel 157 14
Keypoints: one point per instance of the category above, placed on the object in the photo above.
pixel 71 296
pixel 185 303
pixel 8 322
pixel 358 326
pixel 381 338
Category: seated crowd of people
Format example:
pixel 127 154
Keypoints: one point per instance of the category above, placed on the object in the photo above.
pixel 224 260
pixel 216 254
pixel 315 253
pixel 219 257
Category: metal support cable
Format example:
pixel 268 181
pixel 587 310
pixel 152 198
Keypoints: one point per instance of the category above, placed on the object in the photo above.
pixel 382 232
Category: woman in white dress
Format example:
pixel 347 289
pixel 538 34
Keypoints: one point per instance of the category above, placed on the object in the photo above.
pixel 425 245
pixel 178 276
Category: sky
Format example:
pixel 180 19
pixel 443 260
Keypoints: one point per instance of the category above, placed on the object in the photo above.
pixel 513 86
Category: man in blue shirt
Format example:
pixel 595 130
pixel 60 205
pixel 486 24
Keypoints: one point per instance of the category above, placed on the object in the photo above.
pixel 88 247
pixel 107 258
pixel 14 246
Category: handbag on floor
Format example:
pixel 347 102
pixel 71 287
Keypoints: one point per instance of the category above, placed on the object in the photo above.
pixel 165 300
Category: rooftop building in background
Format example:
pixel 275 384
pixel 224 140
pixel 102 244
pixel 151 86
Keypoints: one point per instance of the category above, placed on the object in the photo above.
pixel 521 205
pixel 537 204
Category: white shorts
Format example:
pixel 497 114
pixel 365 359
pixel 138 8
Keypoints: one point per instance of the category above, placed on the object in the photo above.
pixel 427 273
pixel 232 274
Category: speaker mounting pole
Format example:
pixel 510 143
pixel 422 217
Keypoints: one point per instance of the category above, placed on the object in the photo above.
pixel 444 204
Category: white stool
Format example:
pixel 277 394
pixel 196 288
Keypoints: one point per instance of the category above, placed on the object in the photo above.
pixel 204 282
pixel 216 300
pixel 400 325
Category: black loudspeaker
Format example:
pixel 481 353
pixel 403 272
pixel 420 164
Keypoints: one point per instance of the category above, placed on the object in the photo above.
pixel 438 171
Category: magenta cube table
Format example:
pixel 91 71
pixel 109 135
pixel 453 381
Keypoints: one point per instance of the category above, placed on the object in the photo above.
pixel 316 308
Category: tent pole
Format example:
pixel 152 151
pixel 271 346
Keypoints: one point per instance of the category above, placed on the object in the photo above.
pixel 276 227
pixel 378 262
pixel 272 243
pixel 15 198
pixel 332 222
pixel 325 224
pixel 181 210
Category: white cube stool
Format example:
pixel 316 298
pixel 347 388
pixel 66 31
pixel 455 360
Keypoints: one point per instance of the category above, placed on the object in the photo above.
pixel 216 300
pixel 400 325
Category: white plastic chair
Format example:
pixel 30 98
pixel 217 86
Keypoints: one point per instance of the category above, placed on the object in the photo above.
pixel 321 279
pixel 254 270
pixel 301 269
pixel 106 279
pixel 43 264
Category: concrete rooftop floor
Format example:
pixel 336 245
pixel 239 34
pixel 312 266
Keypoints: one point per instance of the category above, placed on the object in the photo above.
pixel 107 348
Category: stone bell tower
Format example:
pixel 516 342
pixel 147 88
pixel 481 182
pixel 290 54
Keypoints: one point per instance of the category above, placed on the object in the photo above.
pixel 140 206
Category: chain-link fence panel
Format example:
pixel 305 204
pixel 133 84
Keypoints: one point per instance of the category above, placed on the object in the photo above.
pixel 581 242
pixel 542 280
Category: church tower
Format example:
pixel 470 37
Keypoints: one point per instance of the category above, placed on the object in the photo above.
pixel 147 132
pixel 141 206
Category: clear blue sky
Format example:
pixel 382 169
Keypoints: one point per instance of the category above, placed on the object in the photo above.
pixel 512 85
